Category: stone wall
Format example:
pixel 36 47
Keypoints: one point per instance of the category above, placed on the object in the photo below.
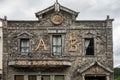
pixel 101 31
pixel 1 47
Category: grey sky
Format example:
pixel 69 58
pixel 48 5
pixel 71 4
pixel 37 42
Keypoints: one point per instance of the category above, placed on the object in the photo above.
pixel 89 10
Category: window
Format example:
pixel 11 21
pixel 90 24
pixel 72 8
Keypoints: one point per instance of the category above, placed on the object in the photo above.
pixel 89 46
pixel 52 77
pixel 24 45
pixel 59 77
pixel 56 44
pixel 45 77
pixel 19 77
pixel 32 77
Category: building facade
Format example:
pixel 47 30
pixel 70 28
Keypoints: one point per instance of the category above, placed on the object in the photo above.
pixel 0 74
pixel 1 47
pixel 1 50
pixel 57 47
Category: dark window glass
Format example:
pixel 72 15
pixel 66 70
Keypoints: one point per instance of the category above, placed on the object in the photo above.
pixel 59 77
pixel 56 44
pixel 19 77
pixel 24 45
pixel 45 77
pixel 89 46
pixel 32 77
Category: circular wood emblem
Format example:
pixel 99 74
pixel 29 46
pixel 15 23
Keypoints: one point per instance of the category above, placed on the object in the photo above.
pixel 57 19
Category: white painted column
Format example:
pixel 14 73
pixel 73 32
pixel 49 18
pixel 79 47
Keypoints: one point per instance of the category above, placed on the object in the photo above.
pixel 26 77
pixel 108 78
pixel 38 77
pixel 52 77
pixel 83 77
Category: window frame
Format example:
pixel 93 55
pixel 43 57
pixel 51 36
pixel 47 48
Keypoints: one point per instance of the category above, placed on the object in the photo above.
pixel 59 75
pixel 93 47
pixel 58 53
pixel 19 75
pixel 52 76
pixel 28 47
pixel 24 35
pixel 32 75
pixel 46 75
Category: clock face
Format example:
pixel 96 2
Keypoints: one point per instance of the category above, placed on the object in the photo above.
pixel 57 19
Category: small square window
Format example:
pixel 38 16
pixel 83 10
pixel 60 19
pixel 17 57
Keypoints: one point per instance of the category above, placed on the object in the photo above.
pixel 59 77
pixel 32 77
pixel 18 77
pixel 89 46
pixel 45 77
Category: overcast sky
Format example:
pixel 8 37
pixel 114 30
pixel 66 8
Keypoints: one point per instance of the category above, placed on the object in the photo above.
pixel 89 10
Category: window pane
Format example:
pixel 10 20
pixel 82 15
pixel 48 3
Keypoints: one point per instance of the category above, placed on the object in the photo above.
pixel 24 49
pixel 59 77
pixel 54 40
pixel 59 49
pixel 45 77
pixel 59 40
pixel 57 44
pixel 89 46
pixel 54 49
pixel 32 77
pixel 19 77
pixel 25 42
pixel 24 45
pixel 87 43
pixel 91 42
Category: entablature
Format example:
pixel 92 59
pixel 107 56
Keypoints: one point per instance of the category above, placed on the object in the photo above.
pixel 40 63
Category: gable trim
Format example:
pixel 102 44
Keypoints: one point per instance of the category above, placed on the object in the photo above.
pixel 53 7
pixel 94 63
pixel 29 35
pixel 44 11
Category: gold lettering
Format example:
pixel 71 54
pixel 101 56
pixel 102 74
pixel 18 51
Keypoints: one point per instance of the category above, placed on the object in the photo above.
pixel 73 44
pixel 96 70
pixel 40 63
pixel 29 63
pixel 41 44
pixel 34 63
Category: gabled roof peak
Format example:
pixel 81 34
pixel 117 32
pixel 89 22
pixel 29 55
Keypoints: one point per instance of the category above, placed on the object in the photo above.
pixel 57 8
pixel 56 1
pixel 95 64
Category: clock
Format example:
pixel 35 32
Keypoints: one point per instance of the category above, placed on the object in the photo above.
pixel 57 19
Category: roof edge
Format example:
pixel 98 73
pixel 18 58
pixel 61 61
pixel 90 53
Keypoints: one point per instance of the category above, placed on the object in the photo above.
pixel 92 64
pixel 53 7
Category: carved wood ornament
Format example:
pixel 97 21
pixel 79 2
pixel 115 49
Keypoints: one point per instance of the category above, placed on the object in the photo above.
pixel 57 19
pixel 41 44
pixel 96 69
pixel 73 44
